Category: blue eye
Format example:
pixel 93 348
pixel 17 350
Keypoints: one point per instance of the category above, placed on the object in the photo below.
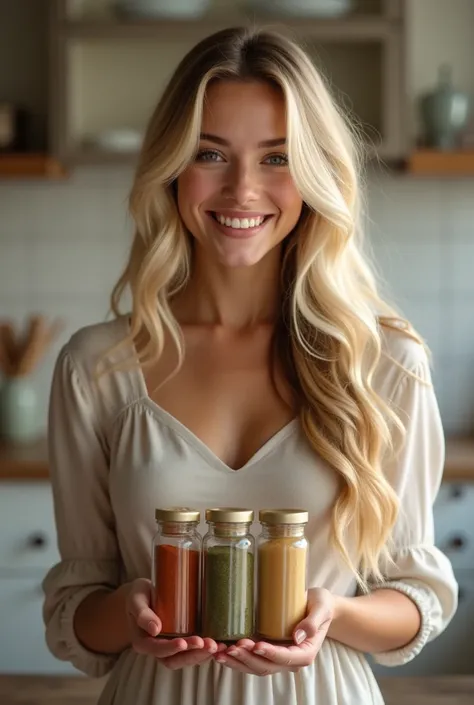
pixel 208 155
pixel 277 160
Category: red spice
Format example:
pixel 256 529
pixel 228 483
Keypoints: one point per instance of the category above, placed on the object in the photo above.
pixel 177 589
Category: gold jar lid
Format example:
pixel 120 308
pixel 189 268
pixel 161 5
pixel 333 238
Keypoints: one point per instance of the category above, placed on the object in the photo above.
pixel 283 516
pixel 184 514
pixel 229 515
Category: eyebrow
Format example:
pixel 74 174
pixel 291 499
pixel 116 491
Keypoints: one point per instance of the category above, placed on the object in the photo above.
pixel 279 141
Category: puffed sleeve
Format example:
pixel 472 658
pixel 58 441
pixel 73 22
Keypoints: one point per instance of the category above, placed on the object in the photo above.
pixel 84 518
pixel 419 569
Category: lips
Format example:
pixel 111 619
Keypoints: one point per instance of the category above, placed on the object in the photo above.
pixel 241 226
pixel 241 222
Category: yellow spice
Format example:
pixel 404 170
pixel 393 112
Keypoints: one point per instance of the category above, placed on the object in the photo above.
pixel 282 595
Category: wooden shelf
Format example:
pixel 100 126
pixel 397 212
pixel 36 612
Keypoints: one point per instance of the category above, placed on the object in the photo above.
pixel 24 462
pixel 426 162
pixel 30 166
pixel 352 28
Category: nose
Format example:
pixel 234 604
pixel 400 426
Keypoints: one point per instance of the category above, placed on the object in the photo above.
pixel 241 184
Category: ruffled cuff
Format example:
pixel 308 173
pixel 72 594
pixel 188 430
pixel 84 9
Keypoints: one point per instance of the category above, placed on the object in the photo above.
pixel 66 586
pixel 423 598
pixel 89 662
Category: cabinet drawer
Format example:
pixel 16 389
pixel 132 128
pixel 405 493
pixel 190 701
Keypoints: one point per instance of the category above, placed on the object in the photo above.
pixel 454 523
pixel 23 648
pixel 27 529
pixel 451 653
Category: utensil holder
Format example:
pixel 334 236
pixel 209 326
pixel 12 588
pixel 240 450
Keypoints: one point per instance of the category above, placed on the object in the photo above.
pixel 19 413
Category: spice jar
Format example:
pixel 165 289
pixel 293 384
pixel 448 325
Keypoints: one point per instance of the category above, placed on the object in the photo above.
pixel 282 572
pixel 176 570
pixel 228 582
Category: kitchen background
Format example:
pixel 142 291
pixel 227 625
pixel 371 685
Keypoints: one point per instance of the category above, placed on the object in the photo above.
pixel 64 241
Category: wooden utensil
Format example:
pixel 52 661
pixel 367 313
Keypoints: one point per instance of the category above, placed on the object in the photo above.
pixel 21 354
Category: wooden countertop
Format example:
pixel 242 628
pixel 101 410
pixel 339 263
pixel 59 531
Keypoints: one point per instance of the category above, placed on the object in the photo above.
pixel 64 690
pixel 31 462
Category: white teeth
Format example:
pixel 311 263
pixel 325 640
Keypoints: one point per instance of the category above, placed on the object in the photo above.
pixel 240 223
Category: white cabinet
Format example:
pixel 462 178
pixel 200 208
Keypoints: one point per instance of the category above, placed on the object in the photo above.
pixel 28 533
pixel 454 523
pixel 22 647
pixel 27 550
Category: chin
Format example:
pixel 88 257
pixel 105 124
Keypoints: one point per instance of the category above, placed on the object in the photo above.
pixel 240 259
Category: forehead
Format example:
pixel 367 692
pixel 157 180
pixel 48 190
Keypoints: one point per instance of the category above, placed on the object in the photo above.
pixel 252 111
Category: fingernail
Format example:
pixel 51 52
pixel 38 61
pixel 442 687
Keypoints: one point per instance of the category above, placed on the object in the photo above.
pixel 259 652
pixel 232 652
pixel 300 636
pixel 152 628
pixel 212 649
pixel 220 659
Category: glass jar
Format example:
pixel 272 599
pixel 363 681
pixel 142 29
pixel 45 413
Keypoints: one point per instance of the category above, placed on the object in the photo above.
pixel 282 573
pixel 176 571
pixel 228 581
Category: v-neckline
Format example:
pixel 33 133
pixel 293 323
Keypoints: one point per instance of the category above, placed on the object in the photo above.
pixel 192 439
pixel 203 449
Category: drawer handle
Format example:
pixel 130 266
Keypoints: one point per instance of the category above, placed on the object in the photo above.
pixel 457 491
pixel 38 541
pixel 457 543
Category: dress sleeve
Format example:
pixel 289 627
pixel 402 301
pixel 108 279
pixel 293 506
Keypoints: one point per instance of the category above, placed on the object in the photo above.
pixel 419 569
pixel 84 517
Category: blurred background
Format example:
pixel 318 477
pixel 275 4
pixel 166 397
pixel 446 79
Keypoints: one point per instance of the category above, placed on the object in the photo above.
pixel 78 81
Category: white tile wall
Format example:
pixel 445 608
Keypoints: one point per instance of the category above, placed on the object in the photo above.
pixel 63 245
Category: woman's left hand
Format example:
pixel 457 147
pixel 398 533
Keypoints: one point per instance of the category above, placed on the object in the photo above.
pixel 264 659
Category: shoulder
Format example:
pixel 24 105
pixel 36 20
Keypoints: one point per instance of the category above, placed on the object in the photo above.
pixel 90 344
pixel 402 348
pixel 87 358
pixel 403 359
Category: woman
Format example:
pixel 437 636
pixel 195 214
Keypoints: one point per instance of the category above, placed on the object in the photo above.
pixel 258 368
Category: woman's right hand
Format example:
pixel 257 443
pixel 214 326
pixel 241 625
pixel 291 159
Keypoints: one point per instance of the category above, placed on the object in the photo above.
pixel 144 627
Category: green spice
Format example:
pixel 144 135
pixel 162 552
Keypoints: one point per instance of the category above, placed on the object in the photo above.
pixel 228 592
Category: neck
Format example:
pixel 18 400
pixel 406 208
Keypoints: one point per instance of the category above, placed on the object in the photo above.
pixel 237 297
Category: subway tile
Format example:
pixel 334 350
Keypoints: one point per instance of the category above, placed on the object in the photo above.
pixel 69 215
pixel 114 259
pixel 410 268
pixel 19 211
pixel 458 209
pixel 460 327
pixel 429 317
pixel 458 266
pixel 67 268
pixel 113 176
pixel 404 210
pixel 116 226
pixel 15 309
pixel 457 398
pixel 14 279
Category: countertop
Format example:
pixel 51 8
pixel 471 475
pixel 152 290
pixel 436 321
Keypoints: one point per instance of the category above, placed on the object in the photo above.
pixel 57 690
pixel 31 462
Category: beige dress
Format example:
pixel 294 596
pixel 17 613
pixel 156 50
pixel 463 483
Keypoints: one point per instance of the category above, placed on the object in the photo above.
pixel 115 455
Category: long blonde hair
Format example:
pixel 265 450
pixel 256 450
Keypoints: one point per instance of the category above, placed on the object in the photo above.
pixel 329 335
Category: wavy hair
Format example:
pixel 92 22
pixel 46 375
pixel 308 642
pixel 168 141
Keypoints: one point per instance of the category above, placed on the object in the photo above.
pixel 329 334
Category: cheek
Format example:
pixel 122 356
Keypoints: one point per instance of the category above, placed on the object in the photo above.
pixel 287 198
pixel 193 189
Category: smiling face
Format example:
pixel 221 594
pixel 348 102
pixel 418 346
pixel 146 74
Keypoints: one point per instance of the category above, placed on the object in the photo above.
pixel 237 198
